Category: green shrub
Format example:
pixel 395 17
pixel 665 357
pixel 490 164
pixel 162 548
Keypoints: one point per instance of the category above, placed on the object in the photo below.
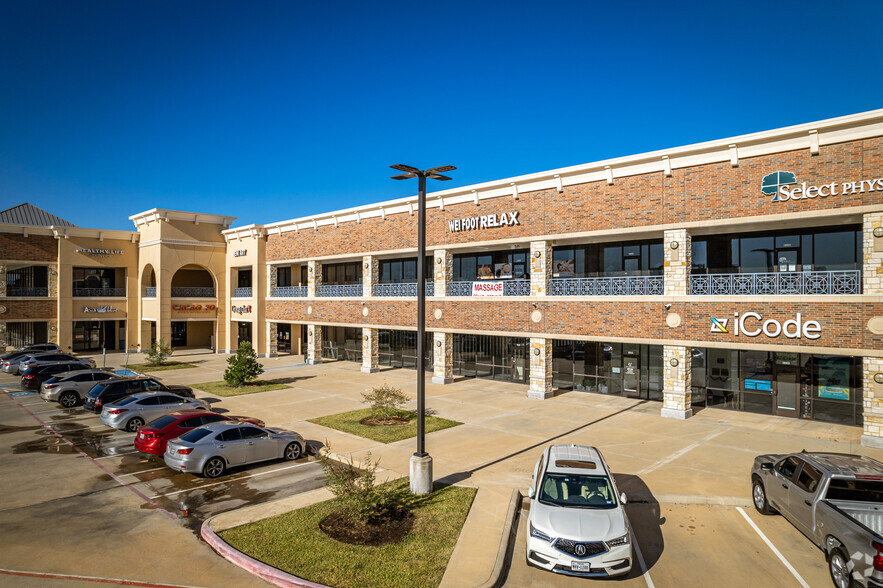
pixel 159 352
pixel 385 401
pixel 243 366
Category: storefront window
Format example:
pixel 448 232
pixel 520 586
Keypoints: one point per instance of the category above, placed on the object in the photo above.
pixel 283 276
pixel 500 265
pixel 338 274
pixel 485 356
pixel 629 258
pixel 398 271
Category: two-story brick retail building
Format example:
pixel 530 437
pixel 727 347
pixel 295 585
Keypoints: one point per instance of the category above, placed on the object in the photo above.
pixel 742 274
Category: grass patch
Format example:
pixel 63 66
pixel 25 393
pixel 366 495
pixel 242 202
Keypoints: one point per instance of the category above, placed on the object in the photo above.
pixel 168 365
pixel 348 422
pixel 222 389
pixel 294 543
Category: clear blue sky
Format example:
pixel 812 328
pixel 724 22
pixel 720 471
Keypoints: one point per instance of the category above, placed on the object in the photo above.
pixel 275 110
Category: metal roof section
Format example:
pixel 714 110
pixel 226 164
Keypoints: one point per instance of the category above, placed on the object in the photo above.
pixel 28 215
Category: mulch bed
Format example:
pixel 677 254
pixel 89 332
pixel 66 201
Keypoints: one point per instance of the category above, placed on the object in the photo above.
pixel 393 421
pixel 388 530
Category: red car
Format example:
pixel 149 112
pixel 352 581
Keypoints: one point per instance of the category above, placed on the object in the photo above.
pixel 153 437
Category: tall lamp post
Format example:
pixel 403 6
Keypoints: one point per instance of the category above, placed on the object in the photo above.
pixel 421 462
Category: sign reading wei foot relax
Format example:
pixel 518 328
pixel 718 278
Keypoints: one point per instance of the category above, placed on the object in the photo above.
pixel 749 324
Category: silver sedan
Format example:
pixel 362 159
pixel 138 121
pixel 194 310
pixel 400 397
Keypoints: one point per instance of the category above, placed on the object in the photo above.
pixel 211 449
pixel 131 412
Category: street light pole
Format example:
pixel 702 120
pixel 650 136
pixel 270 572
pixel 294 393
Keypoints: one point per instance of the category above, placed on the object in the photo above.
pixel 421 462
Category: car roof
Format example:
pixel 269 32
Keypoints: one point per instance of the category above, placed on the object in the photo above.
pixel 844 464
pixel 214 427
pixel 141 395
pixel 78 372
pixel 575 459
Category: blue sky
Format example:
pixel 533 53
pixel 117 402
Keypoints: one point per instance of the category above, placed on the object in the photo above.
pixel 275 110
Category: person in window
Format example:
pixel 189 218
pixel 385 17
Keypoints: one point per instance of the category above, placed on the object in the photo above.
pixel 485 272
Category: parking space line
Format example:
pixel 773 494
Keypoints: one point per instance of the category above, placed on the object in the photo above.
pixel 96 579
pixel 773 547
pixel 120 454
pixel 645 572
pixel 143 472
pixel 297 465
pixel 685 450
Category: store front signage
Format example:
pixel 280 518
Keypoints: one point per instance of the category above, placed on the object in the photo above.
pixel 487 221
pixel 781 186
pixel 194 307
pixel 751 324
pixel 101 252
pixel 241 309
pixel 99 309
pixel 240 252
pixel 487 288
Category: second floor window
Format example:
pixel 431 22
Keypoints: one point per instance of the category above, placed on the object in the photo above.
pixel 342 273
pixel 94 277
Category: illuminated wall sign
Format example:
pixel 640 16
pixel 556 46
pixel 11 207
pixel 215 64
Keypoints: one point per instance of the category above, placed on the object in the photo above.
pixel 487 288
pixel 750 325
pixel 780 185
pixel 487 221
pixel 241 309
pixel 101 252
pixel 240 252
pixel 194 307
pixel 99 309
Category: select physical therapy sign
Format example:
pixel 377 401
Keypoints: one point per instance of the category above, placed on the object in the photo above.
pixel 783 186
pixel 752 324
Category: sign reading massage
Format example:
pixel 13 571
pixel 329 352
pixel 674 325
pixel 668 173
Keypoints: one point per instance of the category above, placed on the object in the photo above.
pixel 487 221
pixel 750 325
pixel 782 186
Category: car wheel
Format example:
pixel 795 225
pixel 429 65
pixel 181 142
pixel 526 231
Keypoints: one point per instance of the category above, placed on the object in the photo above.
pixel 758 494
pixel 838 565
pixel 213 467
pixel 69 399
pixel 293 451
pixel 134 424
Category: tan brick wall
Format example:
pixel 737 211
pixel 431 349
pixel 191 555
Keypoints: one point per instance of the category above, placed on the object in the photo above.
pixel 31 248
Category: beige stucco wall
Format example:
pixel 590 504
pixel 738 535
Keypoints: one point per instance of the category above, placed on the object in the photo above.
pixel 242 253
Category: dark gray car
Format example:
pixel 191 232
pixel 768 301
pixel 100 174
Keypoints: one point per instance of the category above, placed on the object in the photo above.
pixel 70 388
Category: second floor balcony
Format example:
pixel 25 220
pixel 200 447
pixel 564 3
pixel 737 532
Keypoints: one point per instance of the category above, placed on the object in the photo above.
pixel 508 287
pixel 244 292
pixel 99 292
pixel 402 289
pixel 27 292
pixel 777 283
pixel 339 291
pixel 608 286
pixel 193 292
pixel 288 292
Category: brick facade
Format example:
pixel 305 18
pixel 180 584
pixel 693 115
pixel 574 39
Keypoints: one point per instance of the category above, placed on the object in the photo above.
pixel 31 248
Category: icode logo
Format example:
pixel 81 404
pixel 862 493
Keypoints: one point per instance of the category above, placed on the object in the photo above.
pixel 750 325
pixel 780 185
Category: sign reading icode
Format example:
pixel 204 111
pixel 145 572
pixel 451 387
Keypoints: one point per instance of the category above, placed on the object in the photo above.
pixel 487 221
pixel 783 186
pixel 752 324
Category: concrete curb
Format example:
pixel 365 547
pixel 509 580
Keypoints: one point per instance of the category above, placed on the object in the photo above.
pixel 509 533
pixel 269 573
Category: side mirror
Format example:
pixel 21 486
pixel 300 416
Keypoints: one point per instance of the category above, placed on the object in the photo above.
pixel 530 492
pixel 767 467
pixel 622 497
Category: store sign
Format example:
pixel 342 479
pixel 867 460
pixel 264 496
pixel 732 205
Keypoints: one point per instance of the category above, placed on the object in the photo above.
pixel 487 221
pixel 781 186
pixel 99 309
pixel 194 307
pixel 240 252
pixel 101 252
pixel 487 288
pixel 241 309
pixel 749 324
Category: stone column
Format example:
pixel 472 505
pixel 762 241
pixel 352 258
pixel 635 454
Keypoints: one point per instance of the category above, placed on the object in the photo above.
pixel 3 339
pixel 314 278
pixel 677 246
pixel 314 344
pixel 272 342
pixel 370 351
pixel 52 272
pixel 540 267
pixel 872 252
pixel 443 270
pixel 3 290
pixel 272 273
pixel 872 403
pixel 370 274
pixel 676 400
pixel 442 358
pixel 540 369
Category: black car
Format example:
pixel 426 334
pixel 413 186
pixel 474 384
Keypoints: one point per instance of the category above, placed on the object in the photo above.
pixel 32 377
pixel 112 390
pixel 30 350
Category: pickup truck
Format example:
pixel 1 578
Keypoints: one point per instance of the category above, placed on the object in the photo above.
pixel 836 500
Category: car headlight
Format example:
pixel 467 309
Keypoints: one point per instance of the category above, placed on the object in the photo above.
pixel 534 532
pixel 624 540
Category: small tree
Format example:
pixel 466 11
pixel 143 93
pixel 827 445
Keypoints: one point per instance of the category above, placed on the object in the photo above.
pixel 159 352
pixel 243 366
pixel 354 485
pixel 385 401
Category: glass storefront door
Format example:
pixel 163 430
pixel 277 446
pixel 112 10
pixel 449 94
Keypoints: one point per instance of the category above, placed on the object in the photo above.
pixel 787 385
pixel 95 335
pixel 631 370
pixel 179 334
pixel 244 333
pixel 283 338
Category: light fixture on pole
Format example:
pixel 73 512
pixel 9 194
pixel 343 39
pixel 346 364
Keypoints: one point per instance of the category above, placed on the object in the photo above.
pixel 421 463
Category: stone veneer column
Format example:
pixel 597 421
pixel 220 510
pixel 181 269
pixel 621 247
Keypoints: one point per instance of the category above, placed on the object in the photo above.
pixel 3 340
pixel 53 281
pixel 872 252
pixel 52 328
pixel 676 400
pixel 677 262
pixel 442 358
pixel 272 341
pixel 272 275
pixel 872 403
pixel 443 270
pixel 314 344
pixel 314 278
pixel 370 274
pixel 540 268
pixel 3 288
pixel 540 369
pixel 370 351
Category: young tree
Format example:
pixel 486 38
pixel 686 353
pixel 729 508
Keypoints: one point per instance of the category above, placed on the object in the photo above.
pixel 385 401
pixel 159 352
pixel 361 500
pixel 243 366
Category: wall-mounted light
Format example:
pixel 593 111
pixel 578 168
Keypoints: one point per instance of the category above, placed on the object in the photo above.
pixel 673 362
pixel 674 244
pixel 534 304
pixel 366 265
pixel 365 338
pixel 310 269
pixel 537 254
pixel 438 343
pixel 878 232
pixel 878 377
pixel 536 351
pixel 438 260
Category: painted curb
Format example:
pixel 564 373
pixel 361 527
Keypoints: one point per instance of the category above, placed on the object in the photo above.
pixel 508 540
pixel 269 573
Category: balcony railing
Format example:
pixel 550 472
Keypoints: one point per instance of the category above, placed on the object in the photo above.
pixel 403 289
pixel 244 292
pixel 99 292
pixel 193 292
pixel 27 292
pixel 609 286
pixel 150 292
pixel 776 283
pixel 339 291
pixel 289 292
pixel 510 288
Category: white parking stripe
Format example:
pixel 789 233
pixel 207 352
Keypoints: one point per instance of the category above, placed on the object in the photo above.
pixel 142 472
pixel 297 465
pixel 644 570
pixel 687 449
pixel 120 454
pixel 773 547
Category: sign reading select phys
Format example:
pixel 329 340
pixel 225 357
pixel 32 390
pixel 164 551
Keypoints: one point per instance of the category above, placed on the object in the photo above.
pixel 783 186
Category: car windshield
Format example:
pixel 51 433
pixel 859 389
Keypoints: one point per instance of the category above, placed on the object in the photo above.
pixel 163 422
pixel 195 435
pixel 577 490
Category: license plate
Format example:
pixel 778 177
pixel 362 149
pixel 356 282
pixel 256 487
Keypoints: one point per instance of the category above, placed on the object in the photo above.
pixel 580 566
pixel 141 435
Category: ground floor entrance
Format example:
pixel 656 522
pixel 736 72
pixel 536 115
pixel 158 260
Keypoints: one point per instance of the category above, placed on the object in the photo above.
pixel 494 358
pixel 623 369
pixel 98 335
pixel 193 333
pixel 283 339
pixel 244 334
